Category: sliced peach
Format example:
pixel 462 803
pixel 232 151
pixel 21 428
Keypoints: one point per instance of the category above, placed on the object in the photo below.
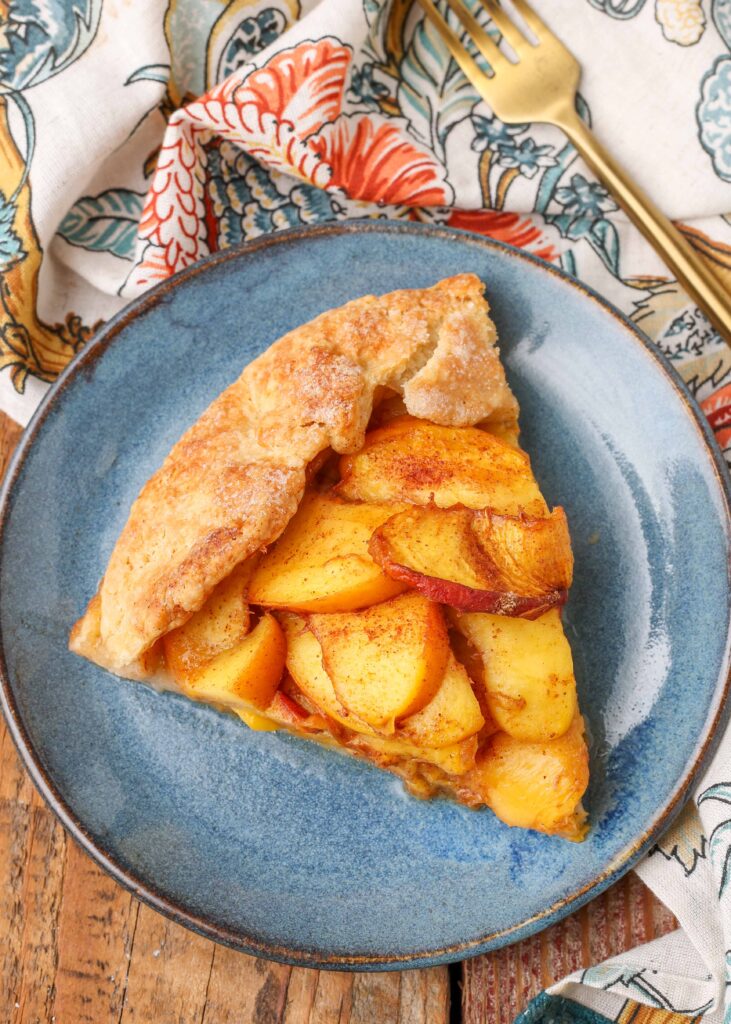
pixel 386 662
pixel 321 561
pixel 533 785
pixel 394 420
pixel 386 410
pixel 423 463
pixel 246 676
pixel 284 712
pixel 258 722
pixel 451 716
pixel 220 624
pixel 304 664
pixel 388 427
pixel 506 431
pixel 455 759
pixel 287 710
pixel 479 560
pixel 468 657
pixel 528 672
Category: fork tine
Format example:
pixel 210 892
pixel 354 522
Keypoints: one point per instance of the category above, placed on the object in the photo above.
pixel 484 42
pixel 506 25
pixel 529 16
pixel 470 68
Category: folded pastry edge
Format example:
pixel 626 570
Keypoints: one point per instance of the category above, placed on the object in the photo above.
pixel 233 481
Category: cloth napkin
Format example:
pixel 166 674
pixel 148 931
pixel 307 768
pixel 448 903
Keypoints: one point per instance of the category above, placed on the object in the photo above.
pixel 137 137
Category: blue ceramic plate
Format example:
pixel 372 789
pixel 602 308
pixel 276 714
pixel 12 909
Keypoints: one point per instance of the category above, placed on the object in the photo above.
pixel 269 843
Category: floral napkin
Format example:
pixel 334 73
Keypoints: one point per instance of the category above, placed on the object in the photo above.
pixel 135 138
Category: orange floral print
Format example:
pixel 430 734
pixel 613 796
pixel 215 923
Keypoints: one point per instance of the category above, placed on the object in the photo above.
pixel 288 116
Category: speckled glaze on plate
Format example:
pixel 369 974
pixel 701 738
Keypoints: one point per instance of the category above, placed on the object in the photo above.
pixel 266 842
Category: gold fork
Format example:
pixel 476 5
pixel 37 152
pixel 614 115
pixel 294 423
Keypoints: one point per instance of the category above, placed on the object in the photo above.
pixel 541 85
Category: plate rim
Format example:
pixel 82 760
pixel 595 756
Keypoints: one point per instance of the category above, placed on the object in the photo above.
pixel 145 890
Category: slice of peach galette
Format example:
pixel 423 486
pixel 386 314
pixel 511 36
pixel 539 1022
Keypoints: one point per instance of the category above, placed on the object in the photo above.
pixel 350 545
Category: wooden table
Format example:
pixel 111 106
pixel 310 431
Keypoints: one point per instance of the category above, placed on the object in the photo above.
pixel 77 948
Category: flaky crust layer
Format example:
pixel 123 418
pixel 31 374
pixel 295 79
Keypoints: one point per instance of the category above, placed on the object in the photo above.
pixel 234 480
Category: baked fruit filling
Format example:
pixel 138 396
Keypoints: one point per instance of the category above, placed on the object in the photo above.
pixel 410 615
pixel 407 611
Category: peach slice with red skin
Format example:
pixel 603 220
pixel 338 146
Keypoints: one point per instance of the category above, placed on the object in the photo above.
pixel 479 560
pixel 386 751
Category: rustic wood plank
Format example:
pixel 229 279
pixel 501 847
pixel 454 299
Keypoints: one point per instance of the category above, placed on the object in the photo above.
pixel 95 929
pixel 168 973
pixel 375 994
pixel 39 903
pixel 498 986
pixel 318 997
pixel 424 996
pixel 561 949
pixel 9 436
pixel 257 988
pixel 32 849
pixel 31 871
pixel 661 919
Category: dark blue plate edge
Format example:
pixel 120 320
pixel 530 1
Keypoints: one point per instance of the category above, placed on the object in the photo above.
pixel 124 874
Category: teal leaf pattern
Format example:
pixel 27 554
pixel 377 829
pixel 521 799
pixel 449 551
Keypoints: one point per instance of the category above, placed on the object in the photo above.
pixel 719 846
pixel 585 205
pixel 714 116
pixel 29 125
pixel 250 201
pixel 721 791
pixel 639 983
pixel 150 73
pixel 376 15
pixel 684 842
pixel 605 241
pixel 251 35
pixel 11 248
pixel 41 39
pixel 105 223
pixel 621 9
pixel 720 850
pixel 433 94
pixel 552 1009
pixel 721 14
pixel 365 88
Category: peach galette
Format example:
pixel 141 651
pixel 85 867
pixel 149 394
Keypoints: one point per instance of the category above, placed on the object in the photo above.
pixel 349 544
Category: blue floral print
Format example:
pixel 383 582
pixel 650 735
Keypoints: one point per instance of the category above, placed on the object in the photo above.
pixel 490 133
pixel 364 88
pixel 714 116
pixel 584 203
pixel 527 157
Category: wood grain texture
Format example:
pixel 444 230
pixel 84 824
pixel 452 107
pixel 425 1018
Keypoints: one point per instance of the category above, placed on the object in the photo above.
pixel 75 948
pixel 498 986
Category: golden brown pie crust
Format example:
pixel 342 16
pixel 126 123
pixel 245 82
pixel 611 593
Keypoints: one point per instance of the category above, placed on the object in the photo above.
pixel 231 484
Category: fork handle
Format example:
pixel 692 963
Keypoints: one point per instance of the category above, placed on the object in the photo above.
pixel 693 274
